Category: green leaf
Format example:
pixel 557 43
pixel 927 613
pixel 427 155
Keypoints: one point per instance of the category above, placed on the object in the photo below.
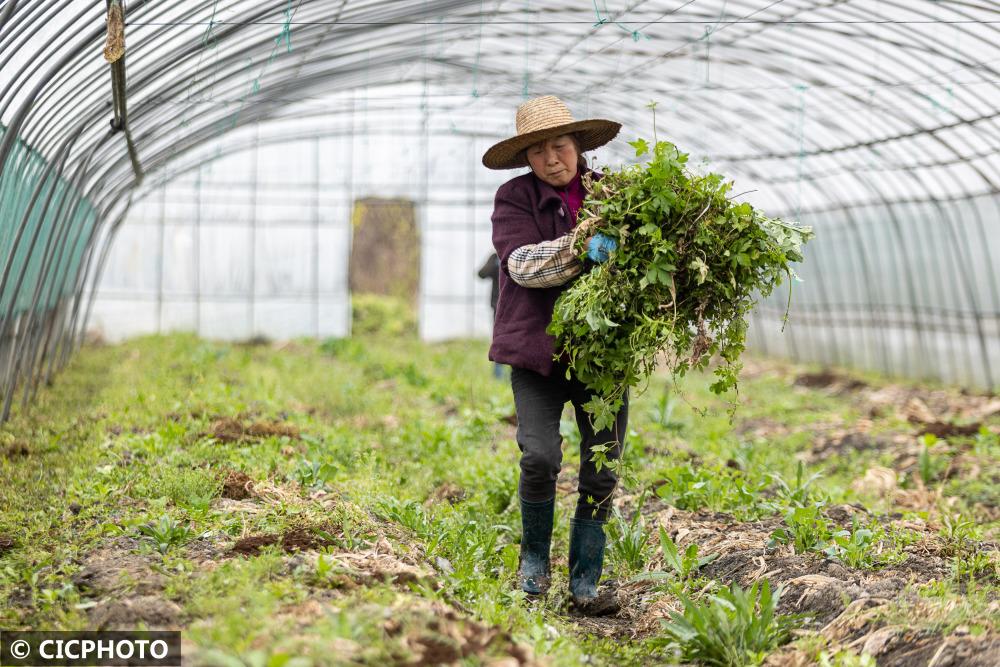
pixel 640 146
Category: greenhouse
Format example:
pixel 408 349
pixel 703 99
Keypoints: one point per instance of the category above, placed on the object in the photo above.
pixel 308 308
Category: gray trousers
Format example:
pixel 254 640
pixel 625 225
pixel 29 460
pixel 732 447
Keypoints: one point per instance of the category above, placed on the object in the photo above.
pixel 539 402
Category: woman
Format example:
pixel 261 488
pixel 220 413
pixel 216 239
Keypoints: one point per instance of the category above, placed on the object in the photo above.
pixel 534 232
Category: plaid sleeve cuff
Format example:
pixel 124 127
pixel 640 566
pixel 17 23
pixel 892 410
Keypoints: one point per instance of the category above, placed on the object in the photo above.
pixel 545 264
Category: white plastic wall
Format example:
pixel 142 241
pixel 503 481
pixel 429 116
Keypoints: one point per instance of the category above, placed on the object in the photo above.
pixel 254 244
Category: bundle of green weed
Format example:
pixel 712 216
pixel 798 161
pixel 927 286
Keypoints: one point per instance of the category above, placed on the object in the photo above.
pixel 689 266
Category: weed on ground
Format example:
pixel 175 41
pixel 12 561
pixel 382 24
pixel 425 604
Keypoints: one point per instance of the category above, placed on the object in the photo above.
pixel 350 502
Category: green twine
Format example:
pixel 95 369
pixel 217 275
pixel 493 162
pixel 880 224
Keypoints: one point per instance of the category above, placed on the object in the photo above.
pixel 286 29
pixel 600 20
pixel 801 87
pixel 708 40
pixel 943 108
pixel 708 52
pixel 255 82
pixel 947 106
pixel 636 34
pixel 479 42
pixel 209 39
pixel 872 151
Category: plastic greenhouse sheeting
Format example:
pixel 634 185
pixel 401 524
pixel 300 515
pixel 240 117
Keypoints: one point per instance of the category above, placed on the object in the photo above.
pixel 876 121
pixel 63 243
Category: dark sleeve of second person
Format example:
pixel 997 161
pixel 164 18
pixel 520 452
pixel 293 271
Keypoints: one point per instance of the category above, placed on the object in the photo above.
pixel 490 268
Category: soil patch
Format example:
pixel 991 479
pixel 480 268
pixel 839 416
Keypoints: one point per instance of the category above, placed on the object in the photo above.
pixel 237 485
pixel 905 450
pixel 612 627
pixel 194 413
pixel 117 567
pixel 437 634
pixel 761 427
pixel 509 419
pixel 946 408
pixel 447 492
pixel 813 585
pixel 911 649
pixel 638 614
pixel 839 443
pixel 128 591
pixel 207 551
pixel 895 645
pixel 6 544
pixel 297 538
pixel 301 538
pixel 14 450
pixel 229 429
pixel 376 565
pixel 252 544
pixel 568 480
pixel 948 429
pixel 154 612
pixel 828 378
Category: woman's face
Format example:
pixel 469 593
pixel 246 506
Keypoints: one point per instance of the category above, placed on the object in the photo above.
pixel 554 160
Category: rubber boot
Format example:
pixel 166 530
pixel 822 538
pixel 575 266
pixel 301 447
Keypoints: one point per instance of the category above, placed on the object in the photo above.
pixel 536 538
pixel 586 559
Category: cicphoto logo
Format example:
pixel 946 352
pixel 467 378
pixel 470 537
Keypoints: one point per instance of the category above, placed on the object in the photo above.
pixel 82 649
pixel 77 649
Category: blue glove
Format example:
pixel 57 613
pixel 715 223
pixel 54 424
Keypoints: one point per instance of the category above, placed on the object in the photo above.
pixel 600 246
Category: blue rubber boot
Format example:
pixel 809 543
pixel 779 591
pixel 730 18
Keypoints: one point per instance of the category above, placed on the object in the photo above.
pixel 536 538
pixel 586 559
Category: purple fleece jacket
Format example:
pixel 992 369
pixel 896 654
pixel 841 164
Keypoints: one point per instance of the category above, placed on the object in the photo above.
pixel 529 210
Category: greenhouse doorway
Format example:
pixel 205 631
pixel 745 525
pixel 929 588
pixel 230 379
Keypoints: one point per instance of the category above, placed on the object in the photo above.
pixel 384 270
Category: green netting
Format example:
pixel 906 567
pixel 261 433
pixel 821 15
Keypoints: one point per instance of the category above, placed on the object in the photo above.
pixel 41 268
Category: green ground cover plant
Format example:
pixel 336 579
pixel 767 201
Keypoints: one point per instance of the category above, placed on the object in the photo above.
pixel 628 541
pixel 683 564
pixel 731 628
pixel 400 488
pixel 166 533
pixel 712 486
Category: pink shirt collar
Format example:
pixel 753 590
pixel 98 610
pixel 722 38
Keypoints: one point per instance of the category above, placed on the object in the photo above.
pixel 572 194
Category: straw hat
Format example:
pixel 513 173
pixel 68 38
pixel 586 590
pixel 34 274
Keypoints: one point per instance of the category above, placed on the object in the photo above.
pixel 542 118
